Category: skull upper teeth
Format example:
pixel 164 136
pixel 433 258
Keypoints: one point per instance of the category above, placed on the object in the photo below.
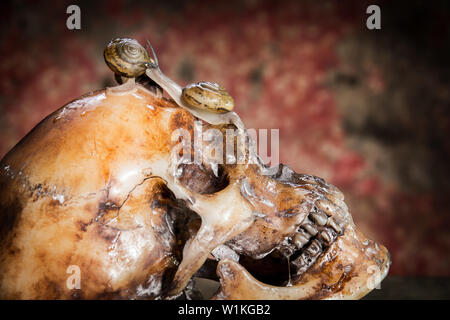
pixel 325 206
pixel 310 228
pixel 320 218
pixel 334 224
pixel 300 239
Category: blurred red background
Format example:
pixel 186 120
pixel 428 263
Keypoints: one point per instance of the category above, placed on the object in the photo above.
pixel 366 110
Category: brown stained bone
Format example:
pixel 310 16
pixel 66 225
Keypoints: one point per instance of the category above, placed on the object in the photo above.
pixel 95 185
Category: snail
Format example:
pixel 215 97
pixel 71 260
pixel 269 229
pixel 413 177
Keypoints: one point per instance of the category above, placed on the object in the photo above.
pixel 205 100
pixel 207 96
pixel 126 58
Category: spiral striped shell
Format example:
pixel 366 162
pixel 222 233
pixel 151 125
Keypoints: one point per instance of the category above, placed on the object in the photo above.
pixel 208 96
pixel 126 57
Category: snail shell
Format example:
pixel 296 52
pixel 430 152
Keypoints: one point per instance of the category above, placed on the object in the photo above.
pixel 126 57
pixel 208 96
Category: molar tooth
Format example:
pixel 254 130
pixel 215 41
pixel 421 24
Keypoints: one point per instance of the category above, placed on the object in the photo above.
pixel 303 262
pixel 300 239
pixel 327 236
pixel 320 218
pixel 333 223
pixel 300 263
pixel 315 248
pixel 286 251
pixel 326 206
pixel 310 228
pixel 304 234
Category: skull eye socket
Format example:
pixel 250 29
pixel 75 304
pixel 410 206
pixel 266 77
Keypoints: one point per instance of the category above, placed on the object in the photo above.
pixel 200 179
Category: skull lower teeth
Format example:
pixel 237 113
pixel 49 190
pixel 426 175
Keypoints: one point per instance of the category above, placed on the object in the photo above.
pixel 327 236
pixel 314 248
pixel 315 234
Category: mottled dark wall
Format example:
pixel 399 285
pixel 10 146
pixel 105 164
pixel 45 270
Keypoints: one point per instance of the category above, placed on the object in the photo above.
pixel 366 110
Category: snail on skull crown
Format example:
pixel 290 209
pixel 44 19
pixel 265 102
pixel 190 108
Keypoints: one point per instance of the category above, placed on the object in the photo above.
pixel 128 59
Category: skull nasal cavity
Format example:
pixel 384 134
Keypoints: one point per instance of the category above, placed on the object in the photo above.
pixel 202 180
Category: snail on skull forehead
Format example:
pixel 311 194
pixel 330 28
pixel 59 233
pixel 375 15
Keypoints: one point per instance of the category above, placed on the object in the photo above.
pixel 128 59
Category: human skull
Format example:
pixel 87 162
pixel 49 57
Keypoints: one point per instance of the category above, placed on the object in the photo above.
pixel 99 187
